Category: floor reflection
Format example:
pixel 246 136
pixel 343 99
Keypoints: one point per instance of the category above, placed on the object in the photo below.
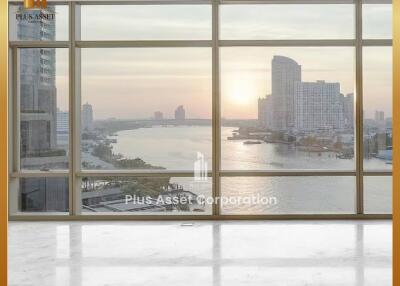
pixel 207 253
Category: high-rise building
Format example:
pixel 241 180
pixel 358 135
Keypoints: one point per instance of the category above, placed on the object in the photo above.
pixel 319 105
pixel 44 194
pixel 38 119
pixel 180 113
pixel 38 94
pixel 265 115
pixel 87 117
pixel 62 128
pixel 379 115
pixel 303 106
pixel 158 115
pixel 380 123
pixel 39 28
pixel 262 107
pixel 348 110
pixel 285 73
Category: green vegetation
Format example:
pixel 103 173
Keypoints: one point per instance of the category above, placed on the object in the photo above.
pixel 140 187
pixel 134 164
pixel 45 153
pixel 32 111
pixel 104 152
pixel 309 141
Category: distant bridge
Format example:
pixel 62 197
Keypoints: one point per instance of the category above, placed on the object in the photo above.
pixel 114 125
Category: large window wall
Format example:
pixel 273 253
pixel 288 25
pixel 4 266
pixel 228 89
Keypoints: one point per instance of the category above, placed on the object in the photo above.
pixel 201 109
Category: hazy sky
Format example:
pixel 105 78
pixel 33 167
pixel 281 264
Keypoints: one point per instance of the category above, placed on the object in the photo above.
pixel 133 83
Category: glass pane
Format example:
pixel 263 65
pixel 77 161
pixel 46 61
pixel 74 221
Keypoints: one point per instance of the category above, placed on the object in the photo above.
pixel 44 194
pixel 377 108
pixel 287 108
pixel 146 108
pixel 288 195
pixel 50 24
pixel 378 195
pixel 146 22
pixel 377 21
pixel 310 21
pixel 44 120
pixel 160 196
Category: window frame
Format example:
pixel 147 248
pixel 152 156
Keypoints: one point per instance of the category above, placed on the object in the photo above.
pixel 76 173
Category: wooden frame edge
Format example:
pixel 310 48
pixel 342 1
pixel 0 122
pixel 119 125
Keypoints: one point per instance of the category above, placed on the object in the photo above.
pixel 396 140
pixel 3 140
pixel 116 217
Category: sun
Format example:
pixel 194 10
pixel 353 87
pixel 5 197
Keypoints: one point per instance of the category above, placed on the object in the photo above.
pixel 241 92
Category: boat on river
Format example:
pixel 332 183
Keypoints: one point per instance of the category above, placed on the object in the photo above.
pixel 251 142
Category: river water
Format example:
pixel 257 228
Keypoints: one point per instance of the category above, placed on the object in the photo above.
pixel 177 148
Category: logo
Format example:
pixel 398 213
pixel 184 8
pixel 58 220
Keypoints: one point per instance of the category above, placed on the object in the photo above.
pixel 200 168
pixel 35 4
pixel 35 11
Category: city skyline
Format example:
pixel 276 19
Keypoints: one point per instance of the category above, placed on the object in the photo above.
pixel 159 115
pixel 297 105
pixel 244 75
pixel 242 69
pixel 242 81
pixel 230 97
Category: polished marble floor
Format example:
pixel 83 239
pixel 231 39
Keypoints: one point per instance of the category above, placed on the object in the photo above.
pixel 206 253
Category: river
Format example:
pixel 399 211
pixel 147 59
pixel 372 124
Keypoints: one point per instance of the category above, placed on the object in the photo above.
pixel 177 148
